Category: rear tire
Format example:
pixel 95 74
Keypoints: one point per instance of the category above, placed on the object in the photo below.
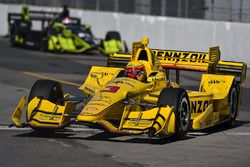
pixel 13 35
pixel 177 97
pixel 44 41
pixel 233 104
pixel 113 35
pixel 12 40
pixel 44 45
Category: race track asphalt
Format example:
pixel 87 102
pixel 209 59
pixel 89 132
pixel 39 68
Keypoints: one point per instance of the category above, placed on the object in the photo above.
pixel 81 146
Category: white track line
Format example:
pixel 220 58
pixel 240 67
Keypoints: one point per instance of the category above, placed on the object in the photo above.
pixel 78 129
pixel 12 128
pixel 197 133
pixel 237 133
pixel 62 130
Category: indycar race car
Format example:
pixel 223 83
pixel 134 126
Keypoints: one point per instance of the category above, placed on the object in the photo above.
pixel 133 95
pixel 59 32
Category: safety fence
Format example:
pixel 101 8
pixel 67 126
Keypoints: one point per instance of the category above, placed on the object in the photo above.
pixel 224 10
pixel 164 32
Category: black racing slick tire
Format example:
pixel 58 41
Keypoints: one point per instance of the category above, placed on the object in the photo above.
pixel 44 45
pixel 47 89
pixel 13 35
pixel 178 98
pixel 113 35
pixel 233 102
pixel 44 40
pixel 12 40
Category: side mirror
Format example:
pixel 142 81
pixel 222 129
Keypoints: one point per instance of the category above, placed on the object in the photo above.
pixel 150 79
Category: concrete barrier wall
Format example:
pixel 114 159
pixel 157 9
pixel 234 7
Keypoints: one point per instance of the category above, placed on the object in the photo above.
pixel 164 32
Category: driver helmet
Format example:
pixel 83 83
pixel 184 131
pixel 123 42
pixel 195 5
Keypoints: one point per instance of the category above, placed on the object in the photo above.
pixel 135 70
pixel 66 20
pixel 65 15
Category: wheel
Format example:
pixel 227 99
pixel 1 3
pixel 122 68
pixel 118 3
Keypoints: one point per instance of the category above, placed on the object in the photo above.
pixel 44 40
pixel 47 89
pixel 12 35
pixel 113 35
pixel 233 104
pixel 44 45
pixel 12 40
pixel 177 97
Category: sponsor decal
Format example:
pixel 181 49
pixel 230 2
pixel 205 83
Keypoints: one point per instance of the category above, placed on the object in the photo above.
pixel 198 106
pixel 96 104
pixel 118 82
pixel 102 100
pixel 43 116
pixel 141 123
pixel 100 97
pixel 105 73
pixel 127 82
pixel 181 56
pixel 111 89
pixel 91 108
pixel 86 113
pixel 214 81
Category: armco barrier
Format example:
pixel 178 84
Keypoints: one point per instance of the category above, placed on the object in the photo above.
pixel 164 32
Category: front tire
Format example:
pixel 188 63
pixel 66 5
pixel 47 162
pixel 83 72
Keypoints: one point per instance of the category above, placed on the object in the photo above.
pixel 49 90
pixel 113 35
pixel 178 98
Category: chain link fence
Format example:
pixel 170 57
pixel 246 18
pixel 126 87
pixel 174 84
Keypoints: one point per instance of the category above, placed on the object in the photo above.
pixel 225 10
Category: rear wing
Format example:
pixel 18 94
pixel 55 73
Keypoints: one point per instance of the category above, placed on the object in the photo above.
pixel 208 62
pixel 182 60
pixel 238 69
pixel 44 17
pixel 118 60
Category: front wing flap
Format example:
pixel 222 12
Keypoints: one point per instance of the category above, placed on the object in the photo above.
pixel 16 116
pixel 161 120
pixel 42 113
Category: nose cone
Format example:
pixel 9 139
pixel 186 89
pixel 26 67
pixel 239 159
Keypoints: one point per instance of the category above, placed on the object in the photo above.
pixel 109 99
pixel 99 105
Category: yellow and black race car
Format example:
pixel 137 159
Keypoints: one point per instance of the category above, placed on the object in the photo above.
pixel 134 95
pixel 59 32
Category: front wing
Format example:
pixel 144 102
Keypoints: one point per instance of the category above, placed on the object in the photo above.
pixel 41 113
